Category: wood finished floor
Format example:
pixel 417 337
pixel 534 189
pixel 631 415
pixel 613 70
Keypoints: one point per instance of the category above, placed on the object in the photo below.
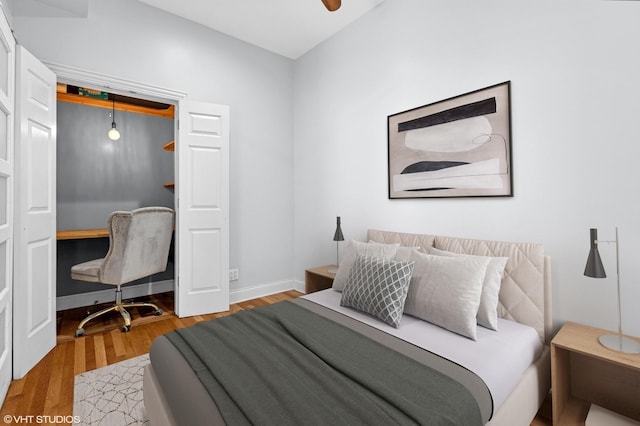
pixel 47 390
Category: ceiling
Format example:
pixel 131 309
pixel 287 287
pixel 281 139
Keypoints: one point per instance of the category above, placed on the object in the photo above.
pixel 287 27
pixel 50 8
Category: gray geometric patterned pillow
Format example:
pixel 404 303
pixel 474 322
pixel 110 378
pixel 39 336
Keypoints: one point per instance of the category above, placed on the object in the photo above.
pixel 378 286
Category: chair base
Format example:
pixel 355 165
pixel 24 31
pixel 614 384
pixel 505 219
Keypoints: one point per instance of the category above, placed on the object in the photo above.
pixel 118 307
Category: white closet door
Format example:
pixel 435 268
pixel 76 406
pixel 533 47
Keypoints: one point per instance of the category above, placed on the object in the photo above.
pixel 34 326
pixel 7 84
pixel 202 191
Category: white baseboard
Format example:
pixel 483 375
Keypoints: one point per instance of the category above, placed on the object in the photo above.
pixel 298 286
pixel 109 295
pixel 242 294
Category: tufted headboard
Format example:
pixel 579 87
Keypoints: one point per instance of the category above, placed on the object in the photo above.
pixel 525 292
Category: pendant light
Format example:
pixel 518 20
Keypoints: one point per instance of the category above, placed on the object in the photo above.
pixel 114 134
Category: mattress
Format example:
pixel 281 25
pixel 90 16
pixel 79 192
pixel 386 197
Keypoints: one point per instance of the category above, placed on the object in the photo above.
pixel 188 400
pixel 499 358
pixel 285 364
pixel 513 364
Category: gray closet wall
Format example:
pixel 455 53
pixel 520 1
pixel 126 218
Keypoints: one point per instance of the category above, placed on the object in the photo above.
pixel 96 176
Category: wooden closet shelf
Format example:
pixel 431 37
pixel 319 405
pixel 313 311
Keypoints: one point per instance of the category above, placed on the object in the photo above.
pixel 120 106
pixel 169 146
pixel 78 234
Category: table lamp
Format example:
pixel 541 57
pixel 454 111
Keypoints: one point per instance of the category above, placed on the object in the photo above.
pixel 595 269
pixel 337 237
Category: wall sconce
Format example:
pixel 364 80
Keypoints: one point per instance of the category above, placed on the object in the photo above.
pixel 113 134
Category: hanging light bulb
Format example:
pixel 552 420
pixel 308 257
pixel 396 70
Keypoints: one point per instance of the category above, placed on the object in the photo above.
pixel 113 134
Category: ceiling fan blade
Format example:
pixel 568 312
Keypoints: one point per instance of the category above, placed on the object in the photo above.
pixel 332 5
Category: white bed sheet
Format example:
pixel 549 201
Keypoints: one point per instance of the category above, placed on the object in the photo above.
pixel 499 358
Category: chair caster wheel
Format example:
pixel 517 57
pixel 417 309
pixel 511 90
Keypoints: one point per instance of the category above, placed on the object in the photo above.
pixel 125 328
pixel 80 332
pixel 158 312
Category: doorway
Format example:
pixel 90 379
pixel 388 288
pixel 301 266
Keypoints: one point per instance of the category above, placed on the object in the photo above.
pixel 202 207
pixel 201 189
pixel 97 175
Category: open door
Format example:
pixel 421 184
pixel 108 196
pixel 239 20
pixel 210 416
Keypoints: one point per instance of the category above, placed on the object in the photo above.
pixel 202 204
pixel 7 84
pixel 34 325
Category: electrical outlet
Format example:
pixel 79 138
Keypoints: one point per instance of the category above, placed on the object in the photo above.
pixel 233 274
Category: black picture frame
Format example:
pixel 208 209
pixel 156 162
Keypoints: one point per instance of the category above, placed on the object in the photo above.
pixel 457 147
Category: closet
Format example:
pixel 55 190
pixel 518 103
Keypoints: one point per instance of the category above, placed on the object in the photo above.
pixel 30 216
pixel 97 175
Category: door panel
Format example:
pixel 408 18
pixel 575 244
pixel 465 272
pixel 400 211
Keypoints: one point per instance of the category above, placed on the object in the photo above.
pixel 7 80
pixel 202 191
pixel 39 286
pixel 207 242
pixel 39 161
pixel 34 328
pixel 205 194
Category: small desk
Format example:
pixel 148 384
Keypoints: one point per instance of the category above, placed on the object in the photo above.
pixel 79 234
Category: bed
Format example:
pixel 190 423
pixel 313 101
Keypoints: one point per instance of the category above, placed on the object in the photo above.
pixel 495 377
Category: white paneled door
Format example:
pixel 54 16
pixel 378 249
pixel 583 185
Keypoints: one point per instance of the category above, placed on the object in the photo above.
pixel 34 321
pixel 7 84
pixel 202 192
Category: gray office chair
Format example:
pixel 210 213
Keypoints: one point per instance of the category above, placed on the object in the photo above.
pixel 139 243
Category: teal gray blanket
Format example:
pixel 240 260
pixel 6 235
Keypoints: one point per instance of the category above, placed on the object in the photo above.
pixel 285 365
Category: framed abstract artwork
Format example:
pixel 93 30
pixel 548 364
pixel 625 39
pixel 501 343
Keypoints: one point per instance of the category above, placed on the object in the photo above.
pixel 458 147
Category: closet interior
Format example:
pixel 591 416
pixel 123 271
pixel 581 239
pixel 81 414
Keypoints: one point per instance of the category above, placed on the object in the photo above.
pixel 97 175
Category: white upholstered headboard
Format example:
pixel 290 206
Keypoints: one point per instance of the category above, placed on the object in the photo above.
pixel 525 293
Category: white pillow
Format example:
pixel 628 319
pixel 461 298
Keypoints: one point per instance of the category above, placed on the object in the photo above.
pixel 388 251
pixel 404 253
pixel 488 311
pixel 446 291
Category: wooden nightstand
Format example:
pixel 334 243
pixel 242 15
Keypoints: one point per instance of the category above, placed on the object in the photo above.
pixel 316 279
pixel 584 372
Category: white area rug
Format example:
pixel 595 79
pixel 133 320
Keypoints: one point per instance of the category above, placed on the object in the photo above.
pixel 111 395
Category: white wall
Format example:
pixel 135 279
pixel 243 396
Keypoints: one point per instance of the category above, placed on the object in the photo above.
pixel 8 9
pixel 130 40
pixel 574 69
